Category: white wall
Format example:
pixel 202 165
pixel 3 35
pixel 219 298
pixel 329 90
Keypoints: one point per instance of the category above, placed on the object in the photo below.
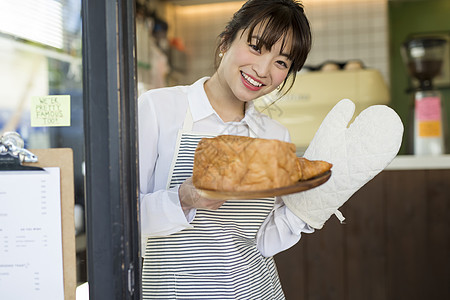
pixel 349 29
pixel 342 30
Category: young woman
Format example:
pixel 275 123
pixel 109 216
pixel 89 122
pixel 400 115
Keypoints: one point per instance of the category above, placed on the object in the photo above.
pixel 197 248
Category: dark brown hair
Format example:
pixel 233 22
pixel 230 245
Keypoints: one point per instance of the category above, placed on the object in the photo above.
pixel 279 18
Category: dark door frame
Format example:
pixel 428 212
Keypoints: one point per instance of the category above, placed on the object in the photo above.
pixel 112 194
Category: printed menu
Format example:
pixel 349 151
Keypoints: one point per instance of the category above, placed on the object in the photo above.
pixel 31 264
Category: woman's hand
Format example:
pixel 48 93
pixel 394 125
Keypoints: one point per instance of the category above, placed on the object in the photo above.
pixel 190 198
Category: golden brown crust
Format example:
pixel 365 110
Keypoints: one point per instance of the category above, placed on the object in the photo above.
pixel 236 163
pixel 312 168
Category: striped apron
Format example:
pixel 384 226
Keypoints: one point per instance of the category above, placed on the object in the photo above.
pixel 217 258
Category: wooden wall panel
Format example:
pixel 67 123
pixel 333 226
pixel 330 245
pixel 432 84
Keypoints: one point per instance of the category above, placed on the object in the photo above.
pixel 294 273
pixel 406 234
pixel 326 262
pixel 395 244
pixel 365 230
pixel 437 282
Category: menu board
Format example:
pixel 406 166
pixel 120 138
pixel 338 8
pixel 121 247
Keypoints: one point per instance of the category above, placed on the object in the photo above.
pixel 31 260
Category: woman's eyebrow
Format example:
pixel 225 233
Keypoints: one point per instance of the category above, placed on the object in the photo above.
pixel 258 38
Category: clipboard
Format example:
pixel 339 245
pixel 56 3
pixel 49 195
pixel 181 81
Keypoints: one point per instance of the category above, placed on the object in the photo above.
pixel 14 157
pixel 63 159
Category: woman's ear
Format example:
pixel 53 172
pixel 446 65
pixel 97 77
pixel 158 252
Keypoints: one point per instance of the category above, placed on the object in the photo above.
pixel 222 48
pixel 224 44
pixel 222 51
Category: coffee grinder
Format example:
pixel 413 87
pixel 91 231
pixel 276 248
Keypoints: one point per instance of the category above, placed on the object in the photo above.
pixel 423 57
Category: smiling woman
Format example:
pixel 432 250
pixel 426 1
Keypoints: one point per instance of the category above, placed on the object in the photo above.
pixel 249 69
pixel 195 247
pixel 271 27
pixel 260 49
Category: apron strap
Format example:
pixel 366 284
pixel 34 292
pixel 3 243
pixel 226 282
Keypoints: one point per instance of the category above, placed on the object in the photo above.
pixel 187 127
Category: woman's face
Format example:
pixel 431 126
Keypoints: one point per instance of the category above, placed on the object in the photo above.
pixel 250 72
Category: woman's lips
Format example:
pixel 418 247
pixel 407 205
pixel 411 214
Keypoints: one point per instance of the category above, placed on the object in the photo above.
pixel 251 83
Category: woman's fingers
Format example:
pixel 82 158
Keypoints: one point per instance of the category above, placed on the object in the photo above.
pixel 211 203
pixel 190 198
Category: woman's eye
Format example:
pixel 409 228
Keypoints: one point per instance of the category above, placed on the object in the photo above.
pixel 282 63
pixel 255 48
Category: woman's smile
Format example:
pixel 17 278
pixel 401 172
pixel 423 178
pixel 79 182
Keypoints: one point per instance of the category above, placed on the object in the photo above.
pixel 250 82
pixel 249 70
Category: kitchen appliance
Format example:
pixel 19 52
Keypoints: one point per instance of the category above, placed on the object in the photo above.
pixel 314 94
pixel 423 57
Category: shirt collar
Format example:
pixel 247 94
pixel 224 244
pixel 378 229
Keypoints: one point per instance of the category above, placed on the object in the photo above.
pixel 198 101
pixel 201 107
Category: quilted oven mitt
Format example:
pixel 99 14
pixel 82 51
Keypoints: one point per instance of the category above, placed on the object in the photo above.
pixel 358 153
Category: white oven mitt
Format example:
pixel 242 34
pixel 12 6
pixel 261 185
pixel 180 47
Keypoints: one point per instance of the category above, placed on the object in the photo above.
pixel 358 153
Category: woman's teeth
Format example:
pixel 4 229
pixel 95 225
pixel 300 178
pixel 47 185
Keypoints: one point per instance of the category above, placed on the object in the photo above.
pixel 251 80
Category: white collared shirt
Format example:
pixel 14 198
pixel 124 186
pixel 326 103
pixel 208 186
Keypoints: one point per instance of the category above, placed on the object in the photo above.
pixel 161 114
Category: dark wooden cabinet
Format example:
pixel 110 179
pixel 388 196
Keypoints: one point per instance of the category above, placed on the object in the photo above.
pixel 395 244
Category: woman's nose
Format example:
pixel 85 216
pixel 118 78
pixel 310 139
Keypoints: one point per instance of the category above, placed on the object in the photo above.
pixel 262 66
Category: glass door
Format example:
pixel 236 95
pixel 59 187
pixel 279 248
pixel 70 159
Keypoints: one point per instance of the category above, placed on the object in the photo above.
pixel 40 55
pixel 84 52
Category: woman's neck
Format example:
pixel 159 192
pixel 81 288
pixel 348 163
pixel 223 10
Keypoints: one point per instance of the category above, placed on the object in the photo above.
pixel 223 101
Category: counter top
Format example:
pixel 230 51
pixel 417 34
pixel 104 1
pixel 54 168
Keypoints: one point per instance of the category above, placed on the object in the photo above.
pixel 416 162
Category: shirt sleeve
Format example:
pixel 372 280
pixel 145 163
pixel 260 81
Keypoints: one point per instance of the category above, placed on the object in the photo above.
pixel 160 211
pixel 280 230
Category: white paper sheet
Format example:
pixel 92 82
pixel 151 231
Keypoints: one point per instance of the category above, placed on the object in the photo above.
pixel 31 265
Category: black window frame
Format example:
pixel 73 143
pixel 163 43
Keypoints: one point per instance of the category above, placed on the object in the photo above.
pixel 111 152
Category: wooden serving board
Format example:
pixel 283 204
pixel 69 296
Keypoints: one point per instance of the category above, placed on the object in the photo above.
pixel 300 186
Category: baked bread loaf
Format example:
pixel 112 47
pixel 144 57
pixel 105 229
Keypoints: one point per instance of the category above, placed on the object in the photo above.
pixel 236 163
pixel 312 168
